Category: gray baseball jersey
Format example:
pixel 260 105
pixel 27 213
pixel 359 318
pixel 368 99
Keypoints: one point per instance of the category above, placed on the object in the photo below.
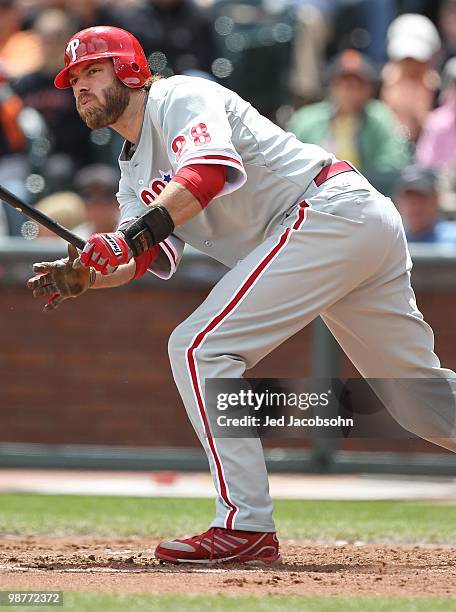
pixel 189 120
pixel 297 248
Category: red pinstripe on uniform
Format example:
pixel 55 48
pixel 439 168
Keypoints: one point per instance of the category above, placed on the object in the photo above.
pixel 170 250
pixel 210 327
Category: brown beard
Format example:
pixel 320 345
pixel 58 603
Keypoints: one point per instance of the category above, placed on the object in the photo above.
pixel 98 116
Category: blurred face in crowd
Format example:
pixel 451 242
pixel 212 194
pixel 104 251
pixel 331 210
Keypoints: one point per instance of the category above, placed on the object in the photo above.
pixel 52 43
pixel 418 210
pixel 412 68
pixel 100 97
pixel 53 28
pixel 350 93
pixel 101 207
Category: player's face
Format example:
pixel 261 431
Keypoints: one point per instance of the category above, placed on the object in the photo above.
pixel 100 97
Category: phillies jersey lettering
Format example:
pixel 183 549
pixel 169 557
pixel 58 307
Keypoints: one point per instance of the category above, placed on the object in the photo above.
pixel 189 120
pixel 149 195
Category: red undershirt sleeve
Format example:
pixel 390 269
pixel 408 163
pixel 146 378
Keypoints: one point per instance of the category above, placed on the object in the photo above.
pixel 204 181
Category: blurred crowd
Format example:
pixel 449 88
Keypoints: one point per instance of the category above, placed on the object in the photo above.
pixel 373 81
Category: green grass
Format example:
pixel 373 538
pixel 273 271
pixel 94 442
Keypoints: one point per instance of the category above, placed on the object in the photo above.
pixel 91 602
pixel 379 521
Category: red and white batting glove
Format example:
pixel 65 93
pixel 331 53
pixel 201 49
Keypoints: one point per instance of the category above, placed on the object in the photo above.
pixel 105 252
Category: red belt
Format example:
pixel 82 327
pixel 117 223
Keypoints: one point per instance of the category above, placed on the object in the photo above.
pixel 333 170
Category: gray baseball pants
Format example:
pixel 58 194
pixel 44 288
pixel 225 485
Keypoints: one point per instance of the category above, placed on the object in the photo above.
pixel 341 254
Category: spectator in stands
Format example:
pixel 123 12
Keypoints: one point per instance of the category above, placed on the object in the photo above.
pixel 19 49
pixel 313 29
pixel 354 126
pixel 14 165
pixel 363 24
pixel 329 26
pixel 66 208
pixel 12 139
pixel 178 34
pixel 97 185
pixel 409 81
pixel 436 146
pixel 65 131
pixel 417 199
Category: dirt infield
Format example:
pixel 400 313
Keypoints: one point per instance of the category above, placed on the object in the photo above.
pixel 127 565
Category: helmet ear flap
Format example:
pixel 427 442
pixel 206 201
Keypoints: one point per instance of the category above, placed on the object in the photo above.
pixel 127 72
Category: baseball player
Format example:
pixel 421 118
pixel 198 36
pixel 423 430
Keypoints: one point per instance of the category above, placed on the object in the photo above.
pixel 304 234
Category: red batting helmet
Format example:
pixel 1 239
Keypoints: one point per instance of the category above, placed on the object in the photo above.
pixel 100 42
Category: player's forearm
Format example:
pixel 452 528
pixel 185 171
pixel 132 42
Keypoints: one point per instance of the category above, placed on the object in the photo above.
pixel 107 252
pixel 123 275
pixel 179 202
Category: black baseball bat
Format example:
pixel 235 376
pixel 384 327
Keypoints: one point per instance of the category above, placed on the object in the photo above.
pixel 41 218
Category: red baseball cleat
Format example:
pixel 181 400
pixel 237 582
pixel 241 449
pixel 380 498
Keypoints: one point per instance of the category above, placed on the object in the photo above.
pixel 217 545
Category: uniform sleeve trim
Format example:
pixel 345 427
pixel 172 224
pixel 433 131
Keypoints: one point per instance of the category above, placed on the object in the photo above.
pixel 169 249
pixel 215 158
pixel 235 179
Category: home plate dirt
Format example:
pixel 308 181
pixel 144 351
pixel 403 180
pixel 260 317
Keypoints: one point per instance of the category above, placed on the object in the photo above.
pixel 127 565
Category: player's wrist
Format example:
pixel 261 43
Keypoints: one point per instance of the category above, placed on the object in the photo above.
pixel 148 230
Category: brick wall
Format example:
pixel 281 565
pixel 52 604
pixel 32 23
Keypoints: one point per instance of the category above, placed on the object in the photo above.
pixel 96 371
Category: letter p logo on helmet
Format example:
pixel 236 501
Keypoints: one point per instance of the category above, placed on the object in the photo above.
pixel 104 42
pixel 71 48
